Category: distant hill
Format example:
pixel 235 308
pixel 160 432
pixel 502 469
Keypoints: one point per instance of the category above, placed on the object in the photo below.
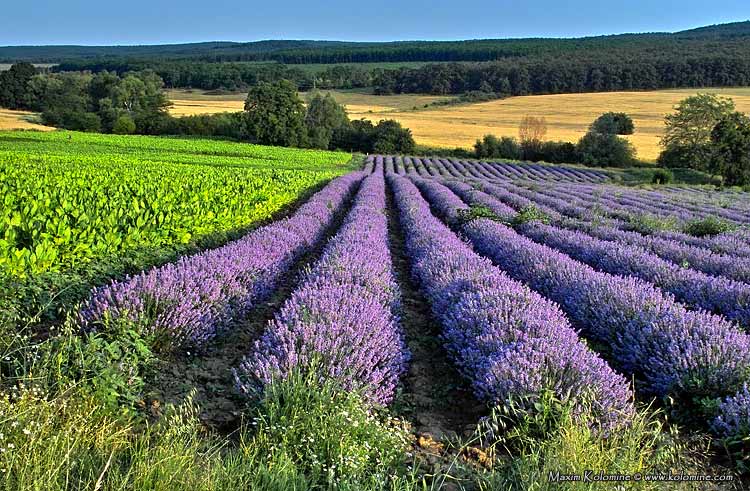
pixel 308 51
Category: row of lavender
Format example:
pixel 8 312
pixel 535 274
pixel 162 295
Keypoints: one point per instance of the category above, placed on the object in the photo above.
pixel 726 255
pixel 187 303
pixel 432 167
pixel 342 319
pixel 508 341
pixel 644 332
pixel 716 294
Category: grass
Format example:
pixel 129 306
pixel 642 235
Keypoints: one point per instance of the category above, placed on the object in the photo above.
pixel 568 115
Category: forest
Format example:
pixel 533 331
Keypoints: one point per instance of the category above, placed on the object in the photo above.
pixel 711 56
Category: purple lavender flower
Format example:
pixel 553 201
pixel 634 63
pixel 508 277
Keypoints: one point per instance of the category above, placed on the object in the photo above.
pixel 187 302
pixel 342 319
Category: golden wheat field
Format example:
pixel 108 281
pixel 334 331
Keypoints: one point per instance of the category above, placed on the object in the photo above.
pixel 20 120
pixel 568 115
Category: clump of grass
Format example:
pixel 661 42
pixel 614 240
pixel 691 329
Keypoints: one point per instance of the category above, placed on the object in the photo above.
pixel 646 223
pixel 552 439
pixel 707 227
pixel 475 212
pixel 528 214
pixel 329 435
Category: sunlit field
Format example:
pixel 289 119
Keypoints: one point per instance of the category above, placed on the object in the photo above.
pixel 568 115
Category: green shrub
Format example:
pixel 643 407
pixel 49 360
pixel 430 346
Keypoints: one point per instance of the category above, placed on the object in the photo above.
pixel 647 223
pixel 124 125
pixel 662 176
pixel 475 212
pixel 328 434
pixel 528 214
pixel 707 226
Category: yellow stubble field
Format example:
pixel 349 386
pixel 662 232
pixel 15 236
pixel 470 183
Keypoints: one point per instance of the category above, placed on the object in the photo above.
pixel 567 115
pixel 20 120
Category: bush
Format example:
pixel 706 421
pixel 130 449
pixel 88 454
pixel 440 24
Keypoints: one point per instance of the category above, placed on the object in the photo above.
pixel 662 176
pixel 124 125
pixel 491 146
pixel 707 226
pixel 328 434
pixel 613 124
pixel 603 150
pixel 528 214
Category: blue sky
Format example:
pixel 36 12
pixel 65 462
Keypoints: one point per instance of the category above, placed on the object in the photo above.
pixel 157 21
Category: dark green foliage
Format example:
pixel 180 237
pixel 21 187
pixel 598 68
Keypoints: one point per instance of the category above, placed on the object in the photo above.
pixel 603 150
pixel 491 146
pixel 324 117
pixel 275 115
pixel 662 176
pixel 707 226
pixel 612 123
pixel 557 152
pixel 124 125
pixel 102 102
pixel 390 137
pixel 687 139
pixel 678 157
pixel 530 214
pixel 730 140
pixel 475 212
pixel 13 84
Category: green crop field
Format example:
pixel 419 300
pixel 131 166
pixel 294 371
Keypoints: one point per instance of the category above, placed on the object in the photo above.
pixel 77 207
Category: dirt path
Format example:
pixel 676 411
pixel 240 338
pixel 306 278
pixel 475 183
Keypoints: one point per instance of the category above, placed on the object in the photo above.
pixel 436 399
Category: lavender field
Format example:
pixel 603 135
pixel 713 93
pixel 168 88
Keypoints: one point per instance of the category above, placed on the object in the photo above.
pixel 427 323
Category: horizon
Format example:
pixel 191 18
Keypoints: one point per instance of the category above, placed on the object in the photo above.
pixel 424 40
pixel 87 24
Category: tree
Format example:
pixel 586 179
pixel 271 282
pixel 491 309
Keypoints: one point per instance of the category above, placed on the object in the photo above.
pixel 13 85
pixel 275 115
pixel 532 129
pixel 688 130
pixel 603 150
pixel 612 123
pixel 491 146
pixel 730 139
pixel 124 125
pixel 390 137
pixel 531 133
pixel 324 116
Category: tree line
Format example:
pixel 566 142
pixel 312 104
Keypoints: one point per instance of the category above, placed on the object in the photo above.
pixel 511 76
pixel 136 103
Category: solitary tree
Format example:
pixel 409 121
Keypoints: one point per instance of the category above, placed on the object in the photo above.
pixel 606 150
pixel 324 117
pixel 275 115
pixel 532 129
pixel 390 137
pixel 730 139
pixel 612 123
pixel 687 139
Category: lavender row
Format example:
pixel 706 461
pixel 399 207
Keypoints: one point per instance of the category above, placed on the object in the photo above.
pixel 719 295
pixel 186 303
pixel 508 341
pixel 679 254
pixel 720 244
pixel 342 319
pixel 646 333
